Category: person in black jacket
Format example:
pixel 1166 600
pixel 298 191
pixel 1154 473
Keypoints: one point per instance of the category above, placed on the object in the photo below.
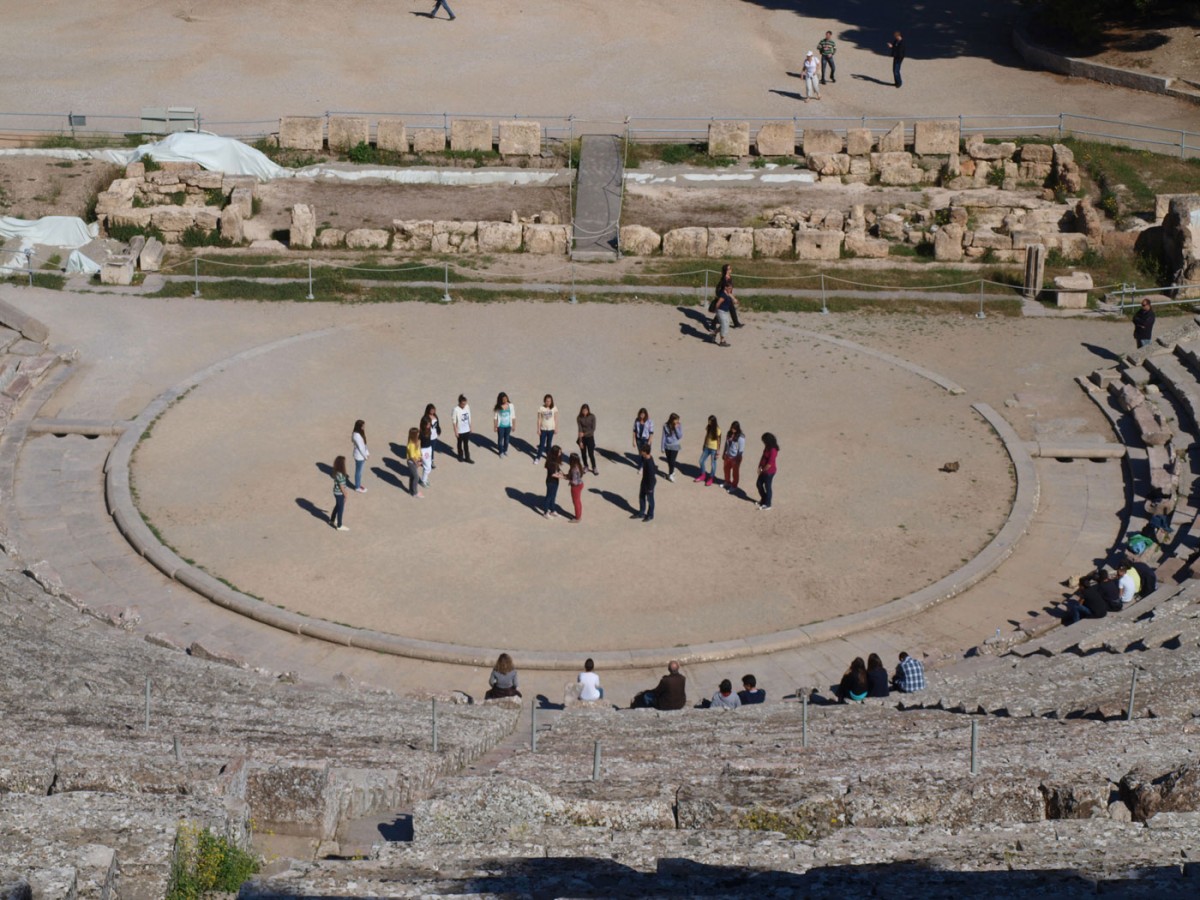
pixel 896 44
pixel 1143 323
pixel 877 676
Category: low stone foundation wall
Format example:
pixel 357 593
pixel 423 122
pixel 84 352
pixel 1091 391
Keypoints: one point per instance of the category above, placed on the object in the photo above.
pixel 510 138
pixel 541 234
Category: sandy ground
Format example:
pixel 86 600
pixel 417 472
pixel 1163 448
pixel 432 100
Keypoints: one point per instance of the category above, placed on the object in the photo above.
pixel 600 61
pixel 32 187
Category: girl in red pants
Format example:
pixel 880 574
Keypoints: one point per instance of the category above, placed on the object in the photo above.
pixel 575 478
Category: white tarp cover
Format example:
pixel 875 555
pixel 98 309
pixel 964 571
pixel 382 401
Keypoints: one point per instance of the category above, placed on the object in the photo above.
pixel 77 262
pixel 49 231
pixel 215 153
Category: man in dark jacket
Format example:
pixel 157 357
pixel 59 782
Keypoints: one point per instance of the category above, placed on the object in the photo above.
pixel 896 45
pixel 671 692
pixel 1143 323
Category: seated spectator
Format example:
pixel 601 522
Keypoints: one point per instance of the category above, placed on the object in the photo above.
pixel 1090 603
pixel 1109 590
pixel 725 698
pixel 1126 585
pixel 670 693
pixel 910 675
pixel 1136 576
pixel 1148 577
pixel 751 693
pixel 590 682
pixel 503 680
pixel 854 682
pixel 877 677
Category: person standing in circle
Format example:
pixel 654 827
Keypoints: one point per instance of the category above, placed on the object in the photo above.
pixel 504 418
pixel 553 474
pixel 827 47
pixel 425 436
pixel 461 418
pixel 708 456
pixel 413 454
pixel 646 489
pixel 340 483
pixel 435 432
pixel 896 45
pixel 735 448
pixel 672 442
pixel 766 470
pixel 358 440
pixel 575 479
pixel 643 430
pixel 725 287
pixel 547 426
pixel 809 70
pixel 586 420
pixel 1143 323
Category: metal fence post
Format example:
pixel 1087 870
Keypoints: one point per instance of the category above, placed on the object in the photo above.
pixel 1132 692
pixel 147 702
pixel 433 722
pixel 824 303
pixel 196 274
pixel 310 293
pixel 533 726
pixel 178 750
pixel 974 747
pixel 803 718
pixel 1060 126
pixel 573 297
pixel 596 762
pixel 980 314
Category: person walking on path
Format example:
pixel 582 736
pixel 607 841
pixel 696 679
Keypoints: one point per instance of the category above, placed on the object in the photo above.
pixel 1143 323
pixel 672 442
pixel 897 47
pixel 708 456
pixel 461 417
pixel 643 430
pixel 547 426
pixel 358 440
pixel 735 448
pixel 809 70
pixel 553 474
pixel 725 286
pixel 504 418
pixel 442 4
pixel 435 431
pixel 827 47
pixel 646 490
pixel 413 454
pixel 766 470
pixel 425 436
pixel 575 479
pixel 340 482
pixel 586 420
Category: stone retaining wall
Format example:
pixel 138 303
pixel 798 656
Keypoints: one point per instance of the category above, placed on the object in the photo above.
pixel 511 138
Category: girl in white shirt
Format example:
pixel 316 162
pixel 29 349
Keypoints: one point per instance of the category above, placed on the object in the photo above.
pixel 461 417
pixel 359 439
pixel 434 433
pixel 590 683
pixel 547 426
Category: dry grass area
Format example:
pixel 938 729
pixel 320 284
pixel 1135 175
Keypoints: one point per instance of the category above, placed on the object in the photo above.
pixel 32 186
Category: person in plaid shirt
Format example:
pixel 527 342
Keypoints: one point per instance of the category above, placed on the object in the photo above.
pixel 827 48
pixel 910 675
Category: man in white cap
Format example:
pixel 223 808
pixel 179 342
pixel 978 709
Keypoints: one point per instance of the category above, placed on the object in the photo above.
pixel 810 77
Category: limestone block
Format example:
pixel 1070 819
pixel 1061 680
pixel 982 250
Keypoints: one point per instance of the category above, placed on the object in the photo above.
pixel 819 244
pixel 390 134
pixel 901 175
pixel 1062 154
pixel 866 247
pixel 733 243
pixel 1076 281
pixel 330 237
pixel 346 132
pixel 953 165
pixel 118 270
pixel 1127 396
pixel 304 226
pixel 860 166
pixel 948 243
pixel 686 242
pixel 428 140
pixel 292 798
pixel 1037 153
pixel 412 236
pixel 162 177
pixel 302 133
pixel 1154 432
pixel 171 218
pixel 549 240
pixel 179 169
pixel 891 226
pixel 206 218
pixel 1004 150
pixel 110 202
pixel 821 140
pixel 1162 203
pixel 520 139
pixel 638 240
pixel 829 163
pixel 243 200
pixel 455 237
pixel 887 158
pixel 1033 171
pixel 835 220
pixel 729 139
pixel 135 170
pixel 230 224
pixel 499 237
pixel 776 139
pixel 1072 300
pixel 367 238
pixel 935 138
pixel 205 181
pixel 773 242
pixel 150 259
pixel 987 239
pixel 893 140
pixel 859 141
pixel 471 134
pixel 137 218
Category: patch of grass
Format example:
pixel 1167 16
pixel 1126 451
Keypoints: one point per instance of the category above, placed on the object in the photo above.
pixel 195 236
pixel 52 280
pixel 126 233
pixel 479 157
pixel 150 163
pixel 255 206
pixel 1142 173
pixel 65 164
pixel 214 197
pixel 205 863
pixel 177 198
pixel 291 159
pixel 53 263
pixel 63 141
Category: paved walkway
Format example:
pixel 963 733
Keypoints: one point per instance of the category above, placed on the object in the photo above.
pixel 598 197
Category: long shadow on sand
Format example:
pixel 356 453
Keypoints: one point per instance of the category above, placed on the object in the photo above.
pixel 312 509
pixel 528 499
pixel 615 499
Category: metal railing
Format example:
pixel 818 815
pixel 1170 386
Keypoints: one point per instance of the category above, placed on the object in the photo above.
pixel 1128 296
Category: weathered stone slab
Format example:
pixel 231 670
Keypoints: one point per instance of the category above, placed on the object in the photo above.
pixel 467 135
pixel 292 799
pixel 118 270
pixel 901 175
pixel 774 243
pixel 948 243
pixel 243 199
pixel 230 224
pixel 638 240
pixel 391 135
pixel 1076 281
pixel 454 237
pixel 548 240
pixel 935 138
pixel 368 238
pixel 859 141
pixel 414 237
pixel 818 244
pixel 520 139
pixel 499 237
pixel 302 133
pixel 821 140
pixel 304 226
pixel 330 237
pixel 346 132
pixel 1037 153
pixel 428 140
pixel 150 259
pixel 1154 432
pixel 893 141
pixel 172 218
pixel 776 139
pixel 729 139
pixel 991 152
pixel 686 242
pixel 829 163
pixel 866 247
pixel 731 243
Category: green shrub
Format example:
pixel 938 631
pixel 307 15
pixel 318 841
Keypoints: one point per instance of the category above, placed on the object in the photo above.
pixel 126 233
pixel 362 152
pixel 214 197
pixel 195 236
pixel 205 862
pixel 150 163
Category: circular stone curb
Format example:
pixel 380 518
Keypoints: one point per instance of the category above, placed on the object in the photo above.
pixel 130 523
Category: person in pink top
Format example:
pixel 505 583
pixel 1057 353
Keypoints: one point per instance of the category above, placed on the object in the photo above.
pixel 766 470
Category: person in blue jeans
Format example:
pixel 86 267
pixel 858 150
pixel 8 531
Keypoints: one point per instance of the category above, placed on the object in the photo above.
pixel 358 440
pixel 340 484
pixel 547 426
pixel 442 4
pixel 646 492
pixel 897 47
pixel 503 419
pixel 553 474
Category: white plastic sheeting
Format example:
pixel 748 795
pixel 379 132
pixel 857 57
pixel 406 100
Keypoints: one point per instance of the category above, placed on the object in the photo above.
pixel 68 232
pixel 77 262
pixel 423 175
pixel 212 152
